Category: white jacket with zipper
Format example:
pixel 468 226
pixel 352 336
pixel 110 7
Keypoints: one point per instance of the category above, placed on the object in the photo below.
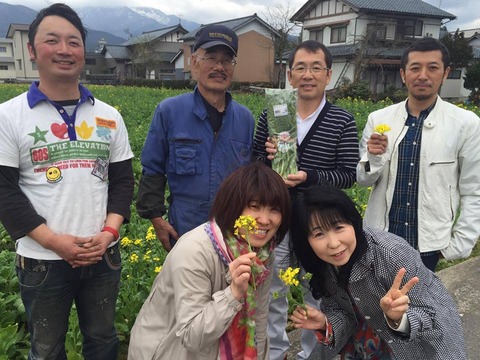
pixel 449 179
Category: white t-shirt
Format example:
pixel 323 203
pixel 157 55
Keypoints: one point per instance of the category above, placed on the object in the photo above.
pixel 304 125
pixel 65 180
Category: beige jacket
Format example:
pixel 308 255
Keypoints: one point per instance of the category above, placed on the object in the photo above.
pixel 190 306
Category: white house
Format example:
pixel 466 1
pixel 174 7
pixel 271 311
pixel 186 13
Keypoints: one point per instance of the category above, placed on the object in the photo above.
pixel 7 62
pixel 453 87
pixel 367 37
pixel 25 69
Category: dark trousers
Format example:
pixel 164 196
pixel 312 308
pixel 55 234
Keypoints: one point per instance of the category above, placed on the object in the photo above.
pixel 49 288
pixel 431 260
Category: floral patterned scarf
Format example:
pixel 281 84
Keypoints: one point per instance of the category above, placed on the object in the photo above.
pixel 238 342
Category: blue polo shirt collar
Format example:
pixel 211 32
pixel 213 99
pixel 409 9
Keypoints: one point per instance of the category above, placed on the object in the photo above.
pixel 34 95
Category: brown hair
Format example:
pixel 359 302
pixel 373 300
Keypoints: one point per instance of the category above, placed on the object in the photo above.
pixel 252 182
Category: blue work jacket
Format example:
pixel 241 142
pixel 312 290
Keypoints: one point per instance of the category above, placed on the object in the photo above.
pixel 182 146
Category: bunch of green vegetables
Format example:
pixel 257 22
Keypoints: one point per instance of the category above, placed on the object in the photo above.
pixel 282 124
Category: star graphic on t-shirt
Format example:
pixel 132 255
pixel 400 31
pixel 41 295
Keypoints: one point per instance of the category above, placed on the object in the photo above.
pixel 38 135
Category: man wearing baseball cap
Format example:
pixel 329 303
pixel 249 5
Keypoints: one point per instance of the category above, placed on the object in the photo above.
pixel 214 35
pixel 195 140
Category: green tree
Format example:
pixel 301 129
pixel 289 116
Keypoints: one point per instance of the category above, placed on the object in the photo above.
pixel 472 81
pixel 460 52
pixel 278 17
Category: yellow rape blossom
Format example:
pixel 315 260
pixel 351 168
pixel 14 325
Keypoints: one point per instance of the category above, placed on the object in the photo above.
pixel 289 276
pixel 125 242
pixel 150 234
pixel 134 258
pixel 158 269
pixel 248 223
pixel 147 256
pixel 295 288
pixel 381 129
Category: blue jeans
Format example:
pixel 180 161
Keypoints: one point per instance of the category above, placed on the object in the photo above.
pixel 48 289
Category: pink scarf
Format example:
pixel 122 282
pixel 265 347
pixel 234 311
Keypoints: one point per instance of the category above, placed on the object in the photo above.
pixel 238 342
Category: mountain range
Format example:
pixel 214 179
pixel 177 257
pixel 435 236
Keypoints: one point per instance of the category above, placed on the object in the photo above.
pixel 102 22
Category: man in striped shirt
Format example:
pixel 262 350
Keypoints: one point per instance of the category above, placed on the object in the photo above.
pixel 327 151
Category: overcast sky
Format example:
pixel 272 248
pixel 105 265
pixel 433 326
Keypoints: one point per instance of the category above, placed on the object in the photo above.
pixel 207 11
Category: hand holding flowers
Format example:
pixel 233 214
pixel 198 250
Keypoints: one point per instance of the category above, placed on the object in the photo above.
pixel 381 129
pixel 309 318
pixel 296 290
pixel 378 142
pixel 253 271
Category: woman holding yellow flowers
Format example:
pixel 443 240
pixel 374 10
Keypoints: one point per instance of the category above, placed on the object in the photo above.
pixel 210 301
pixel 379 301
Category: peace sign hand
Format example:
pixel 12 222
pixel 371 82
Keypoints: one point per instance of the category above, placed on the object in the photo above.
pixel 395 302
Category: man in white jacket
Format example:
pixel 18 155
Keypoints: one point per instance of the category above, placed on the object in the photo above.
pixel 425 170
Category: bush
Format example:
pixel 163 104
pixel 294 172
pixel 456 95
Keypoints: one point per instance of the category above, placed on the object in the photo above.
pixel 359 90
pixel 14 342
pixel 168 84
pixel 393 93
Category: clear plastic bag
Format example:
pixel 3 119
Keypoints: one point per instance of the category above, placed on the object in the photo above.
pixel 281 107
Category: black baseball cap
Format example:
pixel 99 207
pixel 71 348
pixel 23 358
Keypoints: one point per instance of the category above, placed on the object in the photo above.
pixel 213 35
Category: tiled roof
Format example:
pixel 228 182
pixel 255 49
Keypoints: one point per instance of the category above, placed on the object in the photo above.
pixel 152 35
pixel 233 24
pixel 404 7
pixel 342 50
pixel 379 52
pixel 118 51
pixel 158 57
pixel 416 7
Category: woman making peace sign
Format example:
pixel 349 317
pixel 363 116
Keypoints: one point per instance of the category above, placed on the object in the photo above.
pixel 378 299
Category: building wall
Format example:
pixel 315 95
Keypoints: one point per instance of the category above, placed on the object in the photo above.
pixel 453 89
pixel 255 58
pixel 357 26
pixel 23 66
pixel 7 60
pixel 179 64
pixel 474 43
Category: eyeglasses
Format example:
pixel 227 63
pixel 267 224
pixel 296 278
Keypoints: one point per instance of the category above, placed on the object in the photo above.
pixel 300 70
pixel 211 62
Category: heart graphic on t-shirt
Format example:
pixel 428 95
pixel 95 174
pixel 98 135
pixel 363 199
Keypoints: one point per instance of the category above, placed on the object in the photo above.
pixel 59 130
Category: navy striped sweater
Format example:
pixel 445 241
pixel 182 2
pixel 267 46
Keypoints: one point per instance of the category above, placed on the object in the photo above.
pixel 329 151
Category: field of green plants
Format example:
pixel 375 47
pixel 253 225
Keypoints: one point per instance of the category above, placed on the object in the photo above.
pixel 141 253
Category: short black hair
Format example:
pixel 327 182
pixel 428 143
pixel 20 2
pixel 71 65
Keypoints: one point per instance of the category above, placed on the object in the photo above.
pixel 252 182
pixel 60 10
pixel 426 44
pixel 311 46
pixel 328 206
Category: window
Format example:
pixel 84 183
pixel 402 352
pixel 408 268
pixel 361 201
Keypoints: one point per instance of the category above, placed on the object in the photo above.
pixel 338 35
pixel 316 35
pixel 34 65
pixel 90 61
pixel 413 27
pixel 20 64
pixel 3 49
pixel 454 74
pixel 3 67
pixel 377 31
